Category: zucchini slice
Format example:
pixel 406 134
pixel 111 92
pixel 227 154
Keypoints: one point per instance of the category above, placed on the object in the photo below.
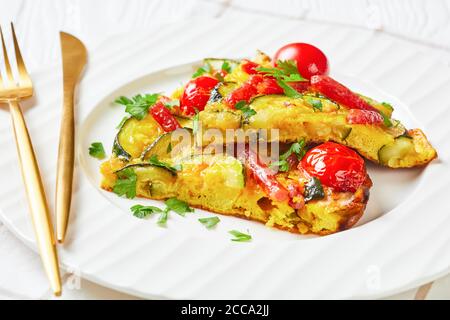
pixel 217 63
pixel 152 181
pixel 177 143
pixel 134 136
pixel 221 90
pixel 408 150
pixel 395 152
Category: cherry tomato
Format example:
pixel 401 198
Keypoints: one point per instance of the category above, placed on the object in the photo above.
pixel 249 66
pixel 310 59
pixel 356 116
pixel 339 93
pixel 196 94
pixel 163 116
pixel 265 177
pixel 336 166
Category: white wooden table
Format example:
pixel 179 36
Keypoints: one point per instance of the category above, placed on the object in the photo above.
pixel 38 23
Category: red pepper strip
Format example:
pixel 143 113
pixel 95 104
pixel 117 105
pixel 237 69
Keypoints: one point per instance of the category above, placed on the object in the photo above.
pixel 356 116
pixel 339 93
pixel 265 177
pixel 163 116
pixel 249 66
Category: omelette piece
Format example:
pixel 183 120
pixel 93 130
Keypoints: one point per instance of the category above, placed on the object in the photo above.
pixel 220 183
pixel 313 117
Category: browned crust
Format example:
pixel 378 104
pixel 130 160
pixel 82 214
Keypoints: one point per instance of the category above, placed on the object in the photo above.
pixel 352 215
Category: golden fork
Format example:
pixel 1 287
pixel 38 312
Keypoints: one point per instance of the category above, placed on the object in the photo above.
pixel 11 93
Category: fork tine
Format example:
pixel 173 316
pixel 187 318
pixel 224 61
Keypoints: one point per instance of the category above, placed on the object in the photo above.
pixel 9 76
pixel 24 76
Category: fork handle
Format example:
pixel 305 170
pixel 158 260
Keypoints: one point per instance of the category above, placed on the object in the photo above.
pixel 36 198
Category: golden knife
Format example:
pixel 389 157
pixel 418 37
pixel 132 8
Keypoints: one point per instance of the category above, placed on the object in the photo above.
pixel 74 58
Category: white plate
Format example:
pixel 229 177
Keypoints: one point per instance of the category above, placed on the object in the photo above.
pixel 402 240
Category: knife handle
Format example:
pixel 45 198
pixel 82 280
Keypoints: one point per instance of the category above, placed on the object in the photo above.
pixel 36 198
pixel 64 176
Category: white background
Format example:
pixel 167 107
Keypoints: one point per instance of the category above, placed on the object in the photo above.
pixel 39 21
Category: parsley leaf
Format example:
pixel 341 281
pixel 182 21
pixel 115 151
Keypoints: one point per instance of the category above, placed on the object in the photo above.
pixel 315 103
pixel 297 148
pixel 162 220
pixel 202 70
pixel 209 222
pixel 138 105
pixel 141 212
pixel 96 150
pixel 247 112
pixel 314 190
pixel 284 72
pixel 282 165
pixel 154 161
pixel 288 90
pixel 239 236
pixel 226 66
pixel 126 183
pixel 178 206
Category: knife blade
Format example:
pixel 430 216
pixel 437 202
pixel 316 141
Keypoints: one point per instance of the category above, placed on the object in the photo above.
pixel 74 58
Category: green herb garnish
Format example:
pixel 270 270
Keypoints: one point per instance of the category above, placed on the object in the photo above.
pixel 202 70
pixel 96 150
pixel 284 72
pixel 162 220
pixel 126 183
pixel 178 206
pixel 138 105
pixel 297 148
pixel 226 66
pixel 209 222
pixel 315 103
pixel 314 190
pixel 239 236
pixel 247 112
pixel 154 161
pixel 141 212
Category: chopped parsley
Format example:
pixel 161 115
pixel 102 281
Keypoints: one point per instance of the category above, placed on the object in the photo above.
pixel 141 212
pixel 202 70
pixel 247 112
pixel 226 66
pixel 154 161
pixel 314 190
pixel 172 204
pixel 126 183
pixel 96 150
pixel 138 105
pixel 178 206
pixel 284 72
pixel 209 222
pixel 315 103
pixel 297 148
pixel 239 236
pixel 162 220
